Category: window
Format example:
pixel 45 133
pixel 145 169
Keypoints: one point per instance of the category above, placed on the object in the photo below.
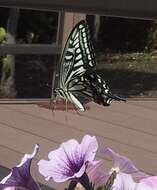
pixel 126 54
pixel 28 52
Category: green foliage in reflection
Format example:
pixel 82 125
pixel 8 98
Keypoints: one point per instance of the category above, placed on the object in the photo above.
pixel 2 34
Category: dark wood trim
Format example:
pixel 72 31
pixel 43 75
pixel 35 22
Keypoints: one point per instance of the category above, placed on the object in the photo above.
pixel 23 100
pixel 30 49
pixel 45 100
pixel 144 9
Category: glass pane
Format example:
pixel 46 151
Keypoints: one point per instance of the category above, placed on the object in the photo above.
pixel 30 26
pixel 29 77
pixel 126 54
pixel 43 30
pixel 4 12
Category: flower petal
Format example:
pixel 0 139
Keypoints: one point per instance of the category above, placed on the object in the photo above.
pixel 20 175
pixel 124 164
pixel 89 146
pixel 64 162
pixel 69 160
pixel 150 181
pixel 123 182
pixel 96 174
pixel 49 171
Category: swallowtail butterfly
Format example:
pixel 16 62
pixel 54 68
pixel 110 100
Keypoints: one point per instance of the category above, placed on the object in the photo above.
pixel 78 81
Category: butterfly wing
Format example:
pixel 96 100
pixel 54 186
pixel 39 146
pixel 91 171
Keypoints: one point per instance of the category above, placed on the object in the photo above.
pixel 78 57
pixel 100 90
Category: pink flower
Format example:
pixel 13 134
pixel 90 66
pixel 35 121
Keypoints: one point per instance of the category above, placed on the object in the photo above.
pixel 70 160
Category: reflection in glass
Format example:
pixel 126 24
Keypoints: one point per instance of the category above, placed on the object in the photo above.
pixel 126 54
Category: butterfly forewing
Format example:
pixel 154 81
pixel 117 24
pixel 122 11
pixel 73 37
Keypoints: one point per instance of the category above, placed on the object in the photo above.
pixel 78 55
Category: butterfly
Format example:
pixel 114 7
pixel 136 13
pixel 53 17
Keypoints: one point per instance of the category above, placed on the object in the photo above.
pixel 78 81
pixel 101 93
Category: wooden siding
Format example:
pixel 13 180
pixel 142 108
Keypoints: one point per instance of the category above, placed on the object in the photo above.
pixel 129 128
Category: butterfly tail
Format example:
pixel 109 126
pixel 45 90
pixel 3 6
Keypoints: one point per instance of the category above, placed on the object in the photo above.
pixel 115 97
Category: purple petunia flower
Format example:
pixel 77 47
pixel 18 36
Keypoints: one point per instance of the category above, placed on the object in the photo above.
pixel 125 182
pixel 96 174
pixel 70 160
pixel 20 175
pixel 123 164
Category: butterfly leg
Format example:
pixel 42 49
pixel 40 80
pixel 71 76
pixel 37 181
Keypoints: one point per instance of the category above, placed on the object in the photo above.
pixel 53 106
pixel 66 109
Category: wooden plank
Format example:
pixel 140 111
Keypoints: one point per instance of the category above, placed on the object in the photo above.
pixel 134 9
pixel 25 127
pixel 109 115
pixel 103 128
pixel 49 49
pixel 146 104
pixel 133 110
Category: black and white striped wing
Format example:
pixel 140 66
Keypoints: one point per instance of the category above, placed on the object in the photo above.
pixel 101 93
pixel 78 57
